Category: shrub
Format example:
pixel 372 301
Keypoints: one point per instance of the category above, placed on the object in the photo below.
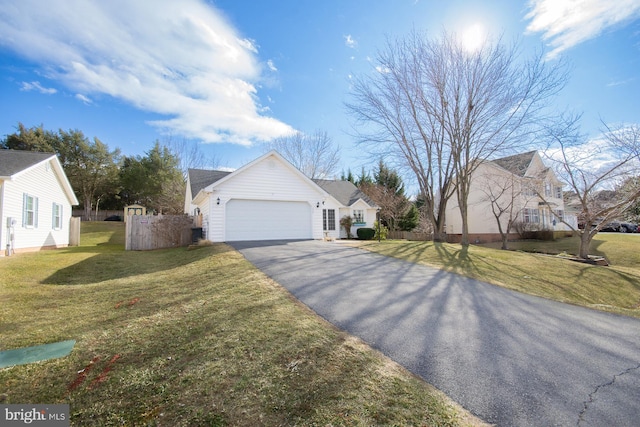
pixel 365 233
pixel 383 231
pixel 346 222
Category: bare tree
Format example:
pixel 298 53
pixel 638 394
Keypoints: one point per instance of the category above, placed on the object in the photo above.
pixel 502 192
pixel 314 155
pixel 576 161
pixel 443 109
pixel 392 206
pixel 190 155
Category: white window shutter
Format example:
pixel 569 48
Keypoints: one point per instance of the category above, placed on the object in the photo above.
pixel 35 212
pixel 24 209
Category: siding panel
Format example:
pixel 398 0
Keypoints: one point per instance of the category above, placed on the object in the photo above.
pixel 43 183
pixel 269 179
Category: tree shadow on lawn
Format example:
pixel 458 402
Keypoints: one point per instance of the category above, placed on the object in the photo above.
pixel 113 262
pixel 452 258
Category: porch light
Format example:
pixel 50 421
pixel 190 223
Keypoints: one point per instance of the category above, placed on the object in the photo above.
pixel 218 201
pixel 318 205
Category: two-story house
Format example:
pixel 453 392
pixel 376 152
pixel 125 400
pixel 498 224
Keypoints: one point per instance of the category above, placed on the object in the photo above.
pixel 517 190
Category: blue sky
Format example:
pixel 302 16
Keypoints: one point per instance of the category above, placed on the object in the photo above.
pixel 231 74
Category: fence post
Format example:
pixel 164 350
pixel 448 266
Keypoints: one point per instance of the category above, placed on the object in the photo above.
pixel 74 231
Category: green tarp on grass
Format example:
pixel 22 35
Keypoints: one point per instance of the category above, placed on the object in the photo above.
pixel 22 356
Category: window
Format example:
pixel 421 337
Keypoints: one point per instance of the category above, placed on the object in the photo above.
pixel 529 190
pixel 29 211
pixel 57 216
pixel 559 214
pixel 358 216
pixel 558 192
pixel 547 189
pixel 531 216
pixel 328 219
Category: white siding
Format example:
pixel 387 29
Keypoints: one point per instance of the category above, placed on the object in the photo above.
pixel 369 217
pixel 43 183
pixel 267 179
pixel 480 216
pixel 331 203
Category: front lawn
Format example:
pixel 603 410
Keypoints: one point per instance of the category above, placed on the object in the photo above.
pixel 196 337
pixel 615 288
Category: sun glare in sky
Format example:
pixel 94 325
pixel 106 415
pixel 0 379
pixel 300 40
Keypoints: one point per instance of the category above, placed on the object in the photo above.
pixel 473 37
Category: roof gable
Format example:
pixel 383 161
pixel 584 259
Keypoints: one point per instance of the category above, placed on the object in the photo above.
pixel 263 158
pixel 345 192
pixel 13 162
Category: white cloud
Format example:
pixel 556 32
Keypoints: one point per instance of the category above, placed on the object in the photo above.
pixel 620 82
pixel 178 59
pixel 566 23
pixel 350 41
pixel 83 98
pixel 271 65
pixel 29 86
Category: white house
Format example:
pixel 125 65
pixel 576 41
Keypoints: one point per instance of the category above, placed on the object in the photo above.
pixel 519 187
pixel 269 199
pixel 35 201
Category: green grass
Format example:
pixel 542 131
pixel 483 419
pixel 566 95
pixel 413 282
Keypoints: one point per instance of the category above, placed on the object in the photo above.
pixel 620 249
pixel 615 288
pixel 197 337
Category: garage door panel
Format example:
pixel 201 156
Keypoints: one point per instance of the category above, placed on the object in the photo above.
pixel 267 220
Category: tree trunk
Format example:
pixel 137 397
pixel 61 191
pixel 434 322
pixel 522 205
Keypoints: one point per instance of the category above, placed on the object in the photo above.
pixel 464 240
pixel 463 198
pixel 87 209
pixel 585 243
pixel 439 233
pixel 503 236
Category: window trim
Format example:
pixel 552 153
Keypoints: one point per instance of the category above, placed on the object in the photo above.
pixel 558 191
pixel 531 216
pixel 328 219
pixel 26 221
pixel 358 216
pixel 56 216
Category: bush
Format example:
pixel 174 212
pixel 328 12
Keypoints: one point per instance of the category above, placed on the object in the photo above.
pixel 346 222
pixel 383 231
pixel 365 233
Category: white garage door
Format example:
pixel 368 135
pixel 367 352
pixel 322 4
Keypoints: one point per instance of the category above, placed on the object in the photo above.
pixel 267 220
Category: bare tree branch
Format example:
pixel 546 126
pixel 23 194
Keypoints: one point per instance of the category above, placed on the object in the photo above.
pixel 443 110
pixel 314 155
pixel 592 167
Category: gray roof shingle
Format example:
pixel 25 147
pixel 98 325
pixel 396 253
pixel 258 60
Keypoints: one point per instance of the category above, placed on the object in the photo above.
pixel 517 164
pixel 343 191
pixel 200 178
pixel 14 161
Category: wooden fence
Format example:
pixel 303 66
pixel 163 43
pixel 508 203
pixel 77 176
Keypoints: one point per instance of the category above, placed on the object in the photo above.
pixel 409 235
pixel 99 216
pixel 148 232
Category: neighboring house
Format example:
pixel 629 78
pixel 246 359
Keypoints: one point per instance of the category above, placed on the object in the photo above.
pixel 522 188
pixel 269 199
pixel 35 201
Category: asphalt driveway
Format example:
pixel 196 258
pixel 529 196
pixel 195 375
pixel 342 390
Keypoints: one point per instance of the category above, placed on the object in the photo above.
pixel 511 359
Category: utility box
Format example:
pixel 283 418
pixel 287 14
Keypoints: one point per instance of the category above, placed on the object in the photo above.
pixel 11 238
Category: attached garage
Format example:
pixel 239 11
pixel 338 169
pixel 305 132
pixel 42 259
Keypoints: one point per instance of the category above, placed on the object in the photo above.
pixel 267 220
